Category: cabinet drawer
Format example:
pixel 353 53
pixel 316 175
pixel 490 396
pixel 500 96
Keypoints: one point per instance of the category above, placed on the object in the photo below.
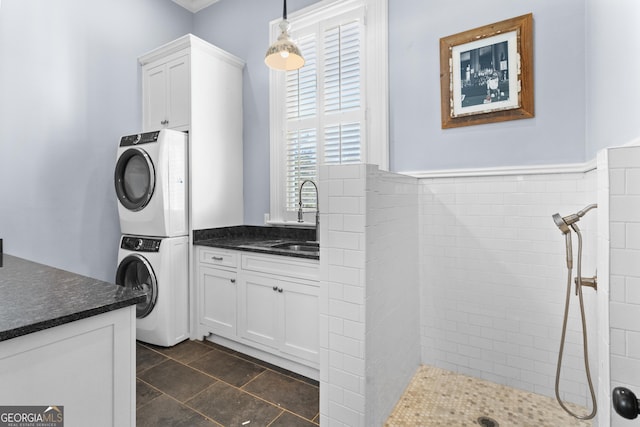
pixel 219 257
pixel 281 266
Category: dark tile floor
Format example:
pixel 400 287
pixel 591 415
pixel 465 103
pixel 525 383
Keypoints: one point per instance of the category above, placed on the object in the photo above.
pixel 201 384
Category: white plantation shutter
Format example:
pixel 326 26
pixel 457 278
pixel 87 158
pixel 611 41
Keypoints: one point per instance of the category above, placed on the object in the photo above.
pixel 317 113
pixel 342 67
pixel 342 144
pixel 301 165
pixel 301 84
pixel 324 114
pixel 301 128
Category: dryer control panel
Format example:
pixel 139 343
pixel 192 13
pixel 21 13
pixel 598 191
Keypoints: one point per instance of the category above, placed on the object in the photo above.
pixel 140 138
pixel 140 244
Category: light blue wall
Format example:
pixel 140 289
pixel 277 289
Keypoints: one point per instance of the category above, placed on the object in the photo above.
pixel 417 143
pixel 555 135
pixel 69 88
pixel 613 78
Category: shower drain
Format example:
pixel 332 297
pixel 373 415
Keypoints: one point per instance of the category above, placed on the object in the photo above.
pixel 487 422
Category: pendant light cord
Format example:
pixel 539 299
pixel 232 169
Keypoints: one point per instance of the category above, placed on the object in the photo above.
pixel 284 10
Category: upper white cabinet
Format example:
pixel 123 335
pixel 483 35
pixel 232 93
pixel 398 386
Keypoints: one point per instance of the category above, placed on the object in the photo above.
pixel 191 85
pixel 166 97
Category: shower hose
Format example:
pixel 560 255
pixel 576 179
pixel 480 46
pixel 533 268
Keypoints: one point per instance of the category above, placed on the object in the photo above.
pixel 584 328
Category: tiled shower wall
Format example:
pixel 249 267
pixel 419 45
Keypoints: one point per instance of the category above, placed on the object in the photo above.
pixel 624 305
pixel 493 278
pixel 369 293
pixel 392 304
pixel 487 267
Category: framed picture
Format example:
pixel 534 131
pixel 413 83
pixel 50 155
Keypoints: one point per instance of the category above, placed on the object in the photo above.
pixel 486 74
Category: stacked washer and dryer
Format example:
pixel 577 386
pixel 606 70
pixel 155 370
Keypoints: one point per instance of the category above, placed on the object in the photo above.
pixel 152 189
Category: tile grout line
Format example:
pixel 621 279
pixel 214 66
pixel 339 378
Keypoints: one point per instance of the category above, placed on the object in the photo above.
pixel 282 409
pixel 260 363
pixel 185 403
pixel 234 387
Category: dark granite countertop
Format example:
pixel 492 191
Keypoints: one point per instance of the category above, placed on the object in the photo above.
pixel 36 297
pixel 260 239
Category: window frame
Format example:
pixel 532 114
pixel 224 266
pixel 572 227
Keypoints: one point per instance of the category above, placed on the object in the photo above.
pixel 375 92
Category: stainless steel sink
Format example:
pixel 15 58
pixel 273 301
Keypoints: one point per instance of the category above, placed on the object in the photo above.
pixel 298 246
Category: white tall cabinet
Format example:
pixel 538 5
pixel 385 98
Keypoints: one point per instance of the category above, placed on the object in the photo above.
pixel 191 85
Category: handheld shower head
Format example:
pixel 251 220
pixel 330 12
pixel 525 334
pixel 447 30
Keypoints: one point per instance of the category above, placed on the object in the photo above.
pixel 560 222
pixel 563 223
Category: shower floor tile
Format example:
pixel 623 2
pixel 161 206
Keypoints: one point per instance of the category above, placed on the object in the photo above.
pixel 437 397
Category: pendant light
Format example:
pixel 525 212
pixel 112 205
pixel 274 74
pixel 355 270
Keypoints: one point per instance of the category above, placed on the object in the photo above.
pixel 284 54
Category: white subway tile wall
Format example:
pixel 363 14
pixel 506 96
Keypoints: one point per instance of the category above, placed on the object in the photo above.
pixel 392 340
pixel 491 282
pixel 493 279
pixel 342 322
pixel 369 220
pixel 624 305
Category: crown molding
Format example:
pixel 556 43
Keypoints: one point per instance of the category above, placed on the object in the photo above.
pixel 194 6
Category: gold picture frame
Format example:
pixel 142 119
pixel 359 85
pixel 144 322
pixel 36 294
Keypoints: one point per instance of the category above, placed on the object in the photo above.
pixel 486 74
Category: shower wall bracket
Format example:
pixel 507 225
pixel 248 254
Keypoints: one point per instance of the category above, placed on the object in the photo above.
pixel 591 282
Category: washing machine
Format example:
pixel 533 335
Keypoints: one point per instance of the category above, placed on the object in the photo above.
pixel 151 183
pixel 159 267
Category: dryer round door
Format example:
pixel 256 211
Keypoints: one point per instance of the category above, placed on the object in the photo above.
pixel 135 179
pixel 136 273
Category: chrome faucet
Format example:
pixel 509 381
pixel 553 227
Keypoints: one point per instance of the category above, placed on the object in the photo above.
pixel 300 217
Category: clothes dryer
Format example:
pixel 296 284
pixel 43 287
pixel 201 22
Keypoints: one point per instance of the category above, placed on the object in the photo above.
pixel 158 266
pixel 151 183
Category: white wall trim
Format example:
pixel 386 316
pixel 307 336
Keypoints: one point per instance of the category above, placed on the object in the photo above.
pixel 506 170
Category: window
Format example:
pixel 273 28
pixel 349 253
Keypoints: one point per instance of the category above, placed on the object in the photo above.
pixel 319 113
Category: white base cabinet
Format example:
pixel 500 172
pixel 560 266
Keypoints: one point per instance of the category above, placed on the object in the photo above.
pixel 282 314
pixel 266 302
pixel 219 300
pixel 258 310
pixel 87 366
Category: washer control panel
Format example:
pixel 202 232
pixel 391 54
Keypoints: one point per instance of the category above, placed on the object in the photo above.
pixel 140 244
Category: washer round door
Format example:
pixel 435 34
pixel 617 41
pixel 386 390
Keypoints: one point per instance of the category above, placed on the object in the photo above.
pixel 134 179
pixel 135 272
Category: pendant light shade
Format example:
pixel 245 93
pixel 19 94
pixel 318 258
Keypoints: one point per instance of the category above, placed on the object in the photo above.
pixel 284 54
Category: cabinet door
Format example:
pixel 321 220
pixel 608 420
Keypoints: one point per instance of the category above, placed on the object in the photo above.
pixel 166 95
pixel 299 320
pixel 178 90
pixel 219 298
pixel 155 98
pixel 258 309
